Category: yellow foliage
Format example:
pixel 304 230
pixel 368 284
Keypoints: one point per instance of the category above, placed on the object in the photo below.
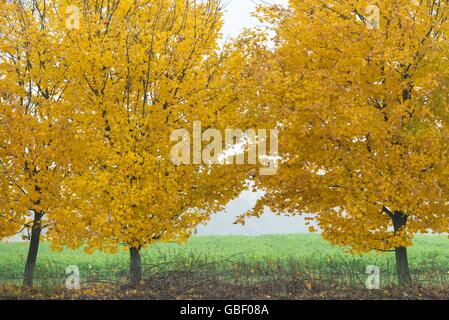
pixel 364 122
pixel 86 116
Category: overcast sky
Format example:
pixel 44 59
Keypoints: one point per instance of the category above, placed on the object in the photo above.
pixel 238 16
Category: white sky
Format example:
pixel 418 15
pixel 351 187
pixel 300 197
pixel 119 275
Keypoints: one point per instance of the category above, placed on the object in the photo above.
pixel 238 15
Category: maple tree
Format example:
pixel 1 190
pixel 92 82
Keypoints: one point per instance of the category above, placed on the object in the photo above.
pixel 361 102
pixel 86 132
pixel 37 150
pixel 144 69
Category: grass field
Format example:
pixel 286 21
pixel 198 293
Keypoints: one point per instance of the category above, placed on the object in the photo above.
pixel 236 259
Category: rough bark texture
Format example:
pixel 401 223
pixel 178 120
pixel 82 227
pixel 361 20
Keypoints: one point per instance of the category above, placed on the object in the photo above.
pixel 135 269
pixel 33 249
pixel 402 267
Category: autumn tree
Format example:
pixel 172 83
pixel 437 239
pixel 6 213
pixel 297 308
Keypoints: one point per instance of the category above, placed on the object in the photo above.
pixel 37 144
pixel 145 69
pixel 358 90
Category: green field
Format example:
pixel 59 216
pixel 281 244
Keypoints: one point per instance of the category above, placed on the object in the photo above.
pixel 236 258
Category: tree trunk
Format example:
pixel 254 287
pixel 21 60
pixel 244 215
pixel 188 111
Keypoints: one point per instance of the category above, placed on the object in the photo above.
pixel 33 249
pixel 404 275
pixel 135 269
pixel 402 267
